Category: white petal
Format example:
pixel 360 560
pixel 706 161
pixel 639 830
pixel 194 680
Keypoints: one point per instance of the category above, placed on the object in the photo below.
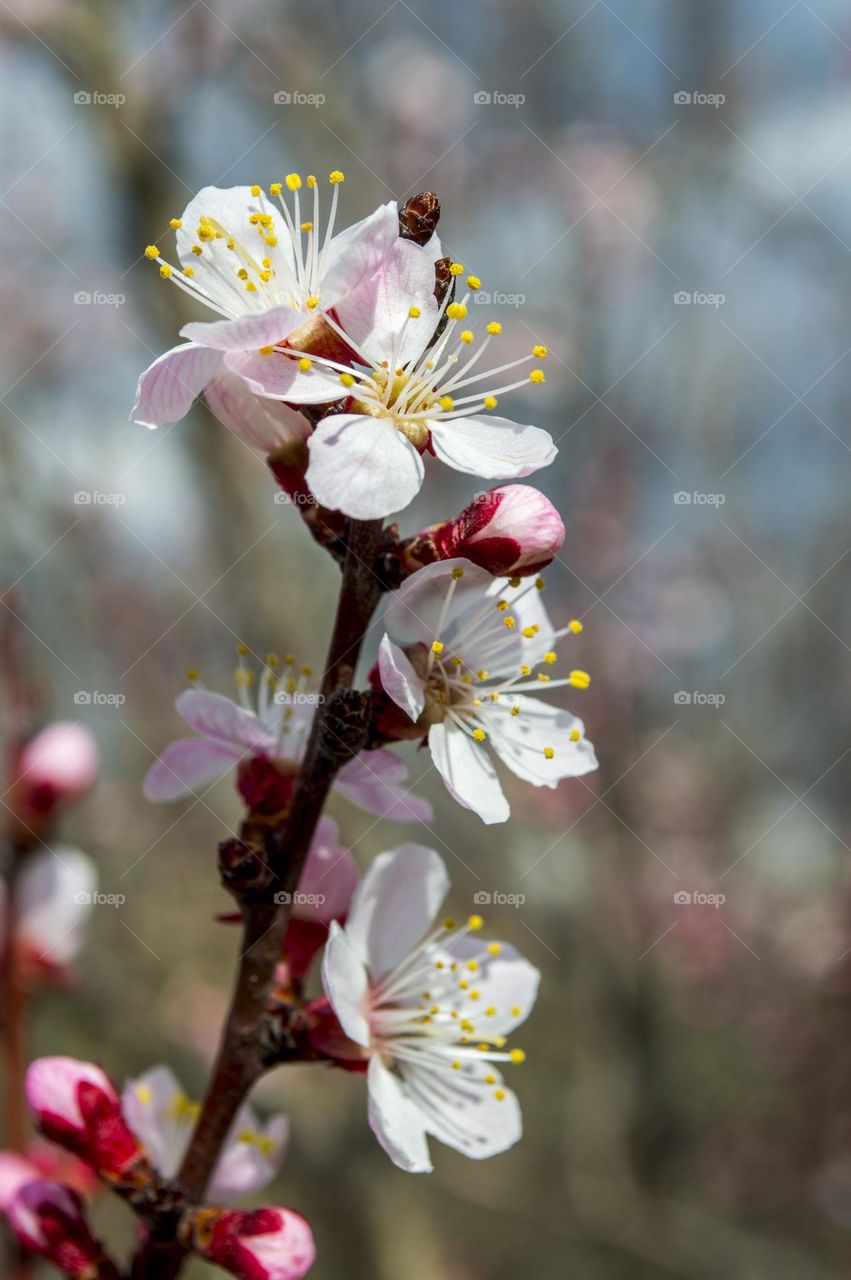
pixel 362 466
pixel 357 253
pixel 168 387
pixel 520 741
pixel 346 984
pixel 416 609
pixel 494 448
pixel 399 680
pixel 278 377
pixel 54 900
pixel 464 1112
pixel 376 781
pixel 376 314
pixel 262 423
pixel 231 207
pixel 246 333
pixel 468 772
pixel 396 1122
pixel 394 906
pixel 244 1168
pixel 507 982
pixel 149 1105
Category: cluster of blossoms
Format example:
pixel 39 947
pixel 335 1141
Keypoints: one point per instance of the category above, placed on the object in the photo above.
pixel 346 359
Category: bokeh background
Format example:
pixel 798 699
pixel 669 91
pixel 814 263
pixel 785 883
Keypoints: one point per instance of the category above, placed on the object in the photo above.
pixel 686 259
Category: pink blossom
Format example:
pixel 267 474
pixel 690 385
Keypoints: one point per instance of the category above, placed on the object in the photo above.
pixel 54 768
pixel 513 530
pixel 76 1105
pixel 259 1244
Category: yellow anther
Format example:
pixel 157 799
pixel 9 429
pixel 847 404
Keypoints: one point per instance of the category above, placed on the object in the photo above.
pixel 446 402
pixel 335 176
pixel 516 1011
pixel 466 335
pixel 307 226
pixel 275 188
pixel 502 605
pixel 272 660
pixel 458 572
pixel 271 240
pixel 537 376
pixel 189 271
pixel 456 269
pixel 479 735
pixel 525 670
pixel 437 646
pixel 242 650
pixel 475 995
pixel 473 282
pixel 255 190
pixel 490 1079
pixel 457 662
pixel 306 671
pixel 464 985
pixel 251 287
pixel 414 312
pixel 205 233
pixel 265 276
pixel 509 622
pixel 494 327
pixel 166 271
pixel 494 948
pixel 579 679
pixel 529 633
pixel 540 352
pixel 242 273
pixel 456 311
pixel 311 180
pixel 293 181
pixel 548 753
pixel 515 710
pixel 456 1065
pixel 144 1094
pixel 575 626
pixel 490 402
pixel 475 923
pixel 304 364
pixel 473 966
pixel 267 350
pixel 575 735
pixel 152 253
pixel 515 582
pixel 482 675
pixel 192 673
pixel 449 923
pixel 347 380
pixel 550 657
pixel 312 302
pixel 517 1056
pixel 544 679
pixel 490 1012
pixel 175 224
pixel 540 584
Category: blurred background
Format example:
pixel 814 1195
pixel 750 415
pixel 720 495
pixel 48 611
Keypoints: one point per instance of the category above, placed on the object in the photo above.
pixel 661 192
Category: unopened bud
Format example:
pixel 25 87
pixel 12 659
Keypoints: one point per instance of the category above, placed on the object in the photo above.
pixel 513 529
pixel 258 1244
pixel 52 769
pixel 76 1105
pixel 48 1219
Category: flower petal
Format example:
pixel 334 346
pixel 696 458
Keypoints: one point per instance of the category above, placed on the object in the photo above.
pixel 362 466
pixel 231 208
pixel 418 609
pixel 168 387
pixel 278 377
pixel 357 253
pixel 149 1104
pixel 251 1158
pixel 465 1112
pixel 468 772
pixel 395 905
pixel 375 781
pixel 520 741
pixel 329 878
pixel 399 679
pixel 246 333
pixel 262 423
pixel 54 900
pixel 507 982
pixel 376 316
pixel 346 984
pixel 218 717
pixel 186 765
pixel 396 1122
pixel 494 448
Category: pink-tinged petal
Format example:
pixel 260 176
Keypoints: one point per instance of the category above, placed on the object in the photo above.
pixel 48 1219
pixel 362 466
pixel 215 716
pixel 418 609
pixel 62 757
pixel 465 1113
pixel 246 333
pixel 252 1157
pixel 188 765
pixel 376 316
pixel 168 387
pixel 513 529
pixel 494 448
pixel 54 901
pixel 329 878
pixel 53 1090
pixel 346 984
pixel 376 781
pixel 394 906
pixel 261 423
pixel 397 1123
pixel 520 741
pixel 148 1103
pixel 468 772
pixel 278 377
pixel 15 1172
pixel 357 253
pixel 399 680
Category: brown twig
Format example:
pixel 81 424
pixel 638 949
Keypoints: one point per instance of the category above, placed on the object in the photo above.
pixel 333 737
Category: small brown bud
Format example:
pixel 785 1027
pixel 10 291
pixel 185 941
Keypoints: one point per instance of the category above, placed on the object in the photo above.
pixel 419 217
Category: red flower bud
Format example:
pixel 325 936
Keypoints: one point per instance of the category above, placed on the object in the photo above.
pixel 513 530
pixel 76 1105
pixel 53 768
pixel 258 1244
pixel 47 1219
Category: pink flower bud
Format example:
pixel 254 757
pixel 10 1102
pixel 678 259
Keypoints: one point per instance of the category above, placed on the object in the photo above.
pixel 513 530
pixel 54 767
pixel 48 1220
pixel 255 1244
pixel 76 1105
pixel 15 1172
